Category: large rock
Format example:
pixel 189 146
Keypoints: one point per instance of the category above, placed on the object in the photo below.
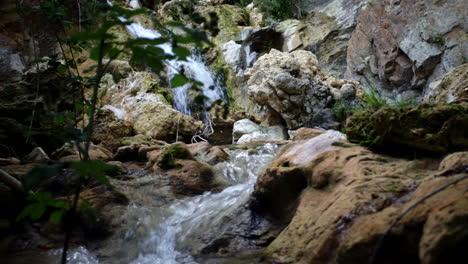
pixel 426 128
pixel 109 130
pixel 280 185
pixel 351 195
pixel 393 52
pixel 294 90
pixel 450 88
pixel 246 131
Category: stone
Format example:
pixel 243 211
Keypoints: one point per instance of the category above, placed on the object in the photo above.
pixel 216 155
pixel 141 140
pixel 109 130
pixel 69 153
pixel 37 155
pixel 450 88
pixel 246 131
pixel 191 178
pixel 280 185
pixel 9 161
pixel 232 53
pixel 293 89
pixel 304 133
pixel 393 52
pixel 427 128
pixel 456 162
pixel 347 198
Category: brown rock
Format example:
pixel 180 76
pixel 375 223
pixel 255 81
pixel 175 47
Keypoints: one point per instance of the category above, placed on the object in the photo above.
pixel 451 88
pixel 216 155
pixel 307 133
pixel 109 130
pixel 191 177
pixel 37 155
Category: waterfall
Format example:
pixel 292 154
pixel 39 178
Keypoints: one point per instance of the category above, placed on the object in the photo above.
pixel 194 68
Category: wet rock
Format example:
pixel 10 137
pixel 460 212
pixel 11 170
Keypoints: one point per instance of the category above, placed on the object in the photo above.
pixel 426 128
pixel 119 168
pixel 199 148
pixel 165 157
pixel 191 177
pixel 293 89
pixel 216 155
pixel 109 130
pixel 450 88
pixel 246 131
pixel 393 52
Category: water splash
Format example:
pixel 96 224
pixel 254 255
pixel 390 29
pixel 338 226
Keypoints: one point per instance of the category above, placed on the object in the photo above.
pixel 194 68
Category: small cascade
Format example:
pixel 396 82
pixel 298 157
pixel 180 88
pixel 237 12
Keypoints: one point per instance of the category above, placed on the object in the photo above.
pixel 194 68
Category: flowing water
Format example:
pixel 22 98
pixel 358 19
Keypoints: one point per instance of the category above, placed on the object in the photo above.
pixel 194 68
pixel 166 235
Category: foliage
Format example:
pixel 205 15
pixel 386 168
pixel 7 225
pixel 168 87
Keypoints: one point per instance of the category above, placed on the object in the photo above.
pixel 277 9
pixel 104 46
pixel 372 99
pixel 171 154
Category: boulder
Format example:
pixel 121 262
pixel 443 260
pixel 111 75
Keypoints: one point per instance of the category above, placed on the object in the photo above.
pixel 216 155
pixel 293 89
pixel 246 131
pixel 450 88
pixel 280 185
pixel 393 52
pixel 37 155
pixel 191 177
pixel 223 118
pixel 306 133
pixel 346 199
pixel 109 130
pixel 427 128
pixel 165 157
pixel 69 153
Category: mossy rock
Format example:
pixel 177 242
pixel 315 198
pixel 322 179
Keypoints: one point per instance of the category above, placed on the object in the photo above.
pixel 140 140
pixel 427 128
pixel 172 153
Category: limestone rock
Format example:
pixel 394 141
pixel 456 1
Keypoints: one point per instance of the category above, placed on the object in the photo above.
pixel 246 131
pixel 109 130
pixel 37 155
pixel 293 89
pixel 450 88
pixel 282 182
pixel 69 153
pixel 426 128
pixel 348 196
pixel 191 177
pixel 393 52
pixel 307 133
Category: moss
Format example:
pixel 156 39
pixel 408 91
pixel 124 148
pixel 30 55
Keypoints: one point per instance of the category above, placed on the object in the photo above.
pixel 426 128
pixel 171 154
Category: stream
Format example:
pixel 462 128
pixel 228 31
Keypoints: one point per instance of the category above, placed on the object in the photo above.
pixel 170 234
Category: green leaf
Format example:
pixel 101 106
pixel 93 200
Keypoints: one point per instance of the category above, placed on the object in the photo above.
pixel 178 80
pixel 182 52
pixel 93 168
pixel 62 68
pixel 56 216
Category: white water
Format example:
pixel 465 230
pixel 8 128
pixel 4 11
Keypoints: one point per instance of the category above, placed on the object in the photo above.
pixel 168 230
pixel 194 68
pixel 194 216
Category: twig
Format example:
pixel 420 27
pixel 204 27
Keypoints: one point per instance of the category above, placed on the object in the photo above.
pixel 427 196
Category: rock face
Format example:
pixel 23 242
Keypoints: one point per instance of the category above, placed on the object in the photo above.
pixel 350 196
pixel 450 88
pixel 294 90
pixel 392 51
pixel 426 128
